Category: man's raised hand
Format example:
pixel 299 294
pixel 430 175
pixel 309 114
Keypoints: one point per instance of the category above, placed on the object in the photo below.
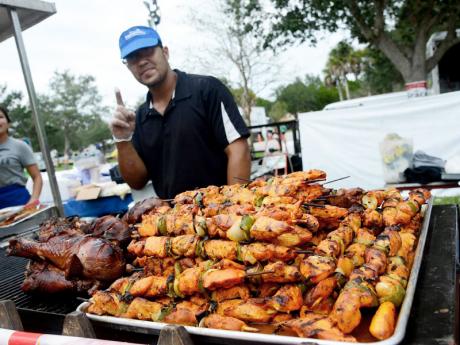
pixel 123 121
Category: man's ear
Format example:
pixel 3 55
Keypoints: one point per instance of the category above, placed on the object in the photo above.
pixel 166 52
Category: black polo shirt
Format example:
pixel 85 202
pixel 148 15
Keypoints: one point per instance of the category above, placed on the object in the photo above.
pixel 184 148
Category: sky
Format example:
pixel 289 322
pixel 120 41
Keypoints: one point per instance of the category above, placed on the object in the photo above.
pixel 82 37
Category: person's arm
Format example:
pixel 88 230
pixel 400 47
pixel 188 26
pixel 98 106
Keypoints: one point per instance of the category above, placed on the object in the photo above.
pixel 36 176
pixel 239 161
pixel 132 168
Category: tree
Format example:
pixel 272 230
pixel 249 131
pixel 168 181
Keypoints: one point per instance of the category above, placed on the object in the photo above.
pixel 400 29
pixel 235 46
pixel 308 95
pixel 278 110
pixel 379 74
pixel 22 125
pixel 371 70
pixel 72 110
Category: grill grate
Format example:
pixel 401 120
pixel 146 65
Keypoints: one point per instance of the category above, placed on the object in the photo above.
pixel 11 277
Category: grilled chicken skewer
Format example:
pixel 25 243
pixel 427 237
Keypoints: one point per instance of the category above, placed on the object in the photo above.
pixel 192 246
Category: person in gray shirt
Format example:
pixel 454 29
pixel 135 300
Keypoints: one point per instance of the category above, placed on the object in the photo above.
pixel 15 156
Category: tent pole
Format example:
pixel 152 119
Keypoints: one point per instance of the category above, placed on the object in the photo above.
pixel 35 115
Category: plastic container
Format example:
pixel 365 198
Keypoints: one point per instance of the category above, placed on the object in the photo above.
pixel 396 153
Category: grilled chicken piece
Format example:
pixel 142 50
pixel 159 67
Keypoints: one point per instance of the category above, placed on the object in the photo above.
pixel 320 291
pixel 221 249
pixel 408 246
pixel 77 256
pixel 158 267
pixel 187 312
pixel 330 247
pixel 135 213
pixel 103 303
pixel 46 279
pixel 150 225
pixel 252 310
pixel 152 286
pixel 346 312
pixel 261 252
pixel 364 236
pixel 110 228
pixel 420 195
pixel 268 229
pixel 328 213
pixel 222 278
pixel 218 225
pixel 365 272
pixel 266 289
pixel 388 241
pixel 226 322
pixel 376 259
pixel 372 218
pixel 373 199
pixel 143 309
pixel 282 273
pixel 179 221
pixel 188 282
pixel 346 198
pixel 61 226
pixel 235 292
pixel 156 246
pixel 287 299
pixel 316 267
pixel 237 194
pixel 312 325
pixel 297 237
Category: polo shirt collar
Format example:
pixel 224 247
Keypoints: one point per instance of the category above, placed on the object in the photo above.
pixel 182 91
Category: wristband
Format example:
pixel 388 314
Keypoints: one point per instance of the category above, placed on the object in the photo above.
pixel 120 140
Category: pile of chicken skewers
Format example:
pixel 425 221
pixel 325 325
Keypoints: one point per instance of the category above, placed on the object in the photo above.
pixel 286 251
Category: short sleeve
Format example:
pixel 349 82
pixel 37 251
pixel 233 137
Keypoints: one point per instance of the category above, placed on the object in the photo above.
pixel 26 155
pixel 226 121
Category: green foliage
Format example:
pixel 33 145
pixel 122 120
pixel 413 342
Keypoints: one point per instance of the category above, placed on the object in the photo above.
pixel 73 112
pixel 379 74
pixel 22 125
pixel 399 28
pixel 261 102
pixel 308 95
pixel 278 110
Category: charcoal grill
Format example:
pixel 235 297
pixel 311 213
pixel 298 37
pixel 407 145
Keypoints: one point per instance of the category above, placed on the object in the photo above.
pixel 38 313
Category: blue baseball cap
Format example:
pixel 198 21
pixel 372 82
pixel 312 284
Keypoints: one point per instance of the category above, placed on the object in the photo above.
pixel 137 37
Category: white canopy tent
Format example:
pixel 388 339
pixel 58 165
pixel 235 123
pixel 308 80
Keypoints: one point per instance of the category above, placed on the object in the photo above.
pixel 345 141
pixel 15 16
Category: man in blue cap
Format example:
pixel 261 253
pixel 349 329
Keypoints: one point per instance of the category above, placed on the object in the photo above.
pixel 189 132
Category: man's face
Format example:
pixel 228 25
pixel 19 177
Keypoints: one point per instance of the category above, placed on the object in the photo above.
pixel 149 65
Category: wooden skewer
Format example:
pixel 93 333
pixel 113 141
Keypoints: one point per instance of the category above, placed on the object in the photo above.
pixel 338 179
pixel 304 251
pixel 251 274
pixel 315 180
pixel 313 205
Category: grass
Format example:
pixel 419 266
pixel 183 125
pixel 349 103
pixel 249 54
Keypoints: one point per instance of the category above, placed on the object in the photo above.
pixel 447 200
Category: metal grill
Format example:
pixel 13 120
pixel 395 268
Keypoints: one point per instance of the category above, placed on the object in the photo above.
pixel 11 277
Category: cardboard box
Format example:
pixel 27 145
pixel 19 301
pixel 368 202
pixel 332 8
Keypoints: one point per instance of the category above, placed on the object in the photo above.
pixel 88 192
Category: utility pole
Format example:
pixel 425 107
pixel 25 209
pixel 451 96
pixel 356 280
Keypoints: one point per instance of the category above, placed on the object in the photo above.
pixel 154 13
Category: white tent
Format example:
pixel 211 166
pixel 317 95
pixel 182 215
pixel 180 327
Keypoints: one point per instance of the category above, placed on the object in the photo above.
pixel 346 141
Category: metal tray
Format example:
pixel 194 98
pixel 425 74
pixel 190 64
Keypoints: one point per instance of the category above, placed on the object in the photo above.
pixel 26 223
pixel 396 338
